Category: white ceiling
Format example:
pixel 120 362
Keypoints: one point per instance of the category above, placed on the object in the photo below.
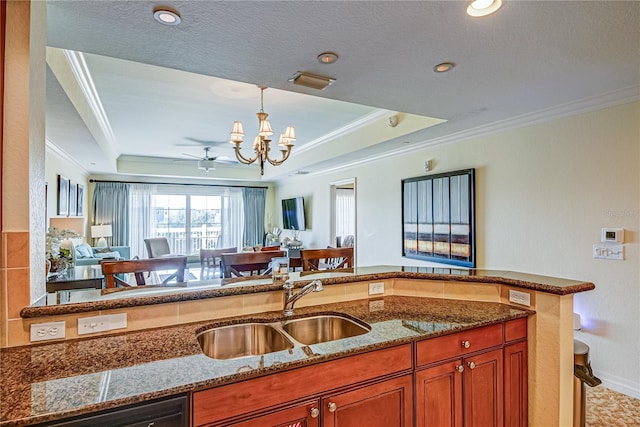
pixel 130 95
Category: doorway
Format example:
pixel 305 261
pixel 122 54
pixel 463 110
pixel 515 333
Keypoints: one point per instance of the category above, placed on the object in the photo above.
pixel 343 213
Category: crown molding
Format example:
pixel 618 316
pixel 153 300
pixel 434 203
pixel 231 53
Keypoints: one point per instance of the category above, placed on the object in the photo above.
pixel 53 148
pixel 574 108
pixel 81 72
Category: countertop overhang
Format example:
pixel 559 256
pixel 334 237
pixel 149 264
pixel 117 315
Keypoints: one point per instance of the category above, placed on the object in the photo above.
pixel 227 287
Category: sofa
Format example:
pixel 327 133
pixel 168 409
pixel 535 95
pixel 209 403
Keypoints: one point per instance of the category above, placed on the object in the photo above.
pixel 87 255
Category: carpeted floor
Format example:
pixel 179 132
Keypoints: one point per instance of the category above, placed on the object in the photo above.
pixel 608 408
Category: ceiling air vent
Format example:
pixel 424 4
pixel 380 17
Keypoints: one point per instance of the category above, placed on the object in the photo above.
pixel 313 81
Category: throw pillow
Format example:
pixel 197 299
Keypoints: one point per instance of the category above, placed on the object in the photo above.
pixel 104 250
pixel 83 250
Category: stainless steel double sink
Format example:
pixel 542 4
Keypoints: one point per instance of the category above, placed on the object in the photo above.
pixel 254 339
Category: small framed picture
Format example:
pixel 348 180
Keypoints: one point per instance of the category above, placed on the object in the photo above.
pixel 79 203
pixel 63 195
pixel 73 198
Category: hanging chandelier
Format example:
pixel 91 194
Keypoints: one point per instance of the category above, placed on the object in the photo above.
pixel 262 141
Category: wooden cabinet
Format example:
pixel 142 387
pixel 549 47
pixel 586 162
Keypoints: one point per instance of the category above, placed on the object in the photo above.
pixel 474 378
pixel 229 404
pixel 466 390
pixel 384 404
pixel 306 414
pixel 515 374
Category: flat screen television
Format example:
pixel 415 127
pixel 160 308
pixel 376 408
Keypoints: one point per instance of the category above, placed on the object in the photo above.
pixel 293 214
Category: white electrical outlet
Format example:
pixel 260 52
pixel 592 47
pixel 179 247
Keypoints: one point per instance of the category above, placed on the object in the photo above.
pixel 522 298
pixel 48 331
pixel 376 288
pixel 91 325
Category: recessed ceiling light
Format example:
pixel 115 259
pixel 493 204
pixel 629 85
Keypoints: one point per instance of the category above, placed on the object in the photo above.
pixel 166 16
pixel 327 58
pixel 483 7
pixel 444 67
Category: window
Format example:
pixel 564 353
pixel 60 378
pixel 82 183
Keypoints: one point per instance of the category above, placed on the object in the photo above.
pixel 189 222
pixel 190 217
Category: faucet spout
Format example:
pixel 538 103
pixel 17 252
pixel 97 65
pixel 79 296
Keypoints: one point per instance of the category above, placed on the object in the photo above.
pixel 290 298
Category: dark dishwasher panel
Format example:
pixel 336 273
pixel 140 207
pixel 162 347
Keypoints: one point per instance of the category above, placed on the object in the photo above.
pixel 172 412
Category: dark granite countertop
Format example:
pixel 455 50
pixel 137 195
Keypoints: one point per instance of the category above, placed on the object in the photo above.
pixel 56 380
pixel 225 287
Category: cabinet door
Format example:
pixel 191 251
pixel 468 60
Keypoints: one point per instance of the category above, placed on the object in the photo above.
pixel 439 395
pixel 385 404
pixel 483 390
pixel 303 415
pixel 515 385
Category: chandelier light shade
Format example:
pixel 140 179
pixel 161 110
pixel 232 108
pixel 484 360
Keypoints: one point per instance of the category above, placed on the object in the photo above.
pixel 261 142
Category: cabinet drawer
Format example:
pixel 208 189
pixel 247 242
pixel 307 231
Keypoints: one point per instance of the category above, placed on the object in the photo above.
pixel 276 389
pixel 454 345
pixel 515 329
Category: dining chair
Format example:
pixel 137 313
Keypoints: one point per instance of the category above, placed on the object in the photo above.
pixel 234 265
pixel 113 271
pixel 326 259
pixel 157 246
pixel 210 262
pixel 270 248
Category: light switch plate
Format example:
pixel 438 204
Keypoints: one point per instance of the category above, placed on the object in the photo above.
pixel 48 331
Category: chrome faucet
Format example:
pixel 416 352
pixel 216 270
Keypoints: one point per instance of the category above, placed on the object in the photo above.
pixel 290 298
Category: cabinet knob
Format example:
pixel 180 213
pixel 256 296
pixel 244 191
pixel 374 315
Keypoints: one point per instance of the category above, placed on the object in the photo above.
pixel 460 368
pixel 471 365
pixel 314 412
pixel 332 407
pixel 466 344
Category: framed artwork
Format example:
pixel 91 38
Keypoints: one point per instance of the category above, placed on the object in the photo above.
pixel 438 218
pixel 73 198
pixel 79 203
pixel 63 195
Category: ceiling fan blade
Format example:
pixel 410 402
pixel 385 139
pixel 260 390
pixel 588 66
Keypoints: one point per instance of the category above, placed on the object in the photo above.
pixel 224 159
pixel 204 141
pixel 191 155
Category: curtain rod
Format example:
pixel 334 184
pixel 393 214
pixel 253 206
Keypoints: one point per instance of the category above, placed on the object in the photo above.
pixel 174 183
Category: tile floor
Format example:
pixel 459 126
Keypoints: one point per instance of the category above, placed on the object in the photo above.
pixel 608 408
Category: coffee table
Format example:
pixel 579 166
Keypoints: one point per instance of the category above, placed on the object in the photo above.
pixel 79 277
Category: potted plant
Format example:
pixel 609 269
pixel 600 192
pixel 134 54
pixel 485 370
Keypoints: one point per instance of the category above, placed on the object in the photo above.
pixel 59 253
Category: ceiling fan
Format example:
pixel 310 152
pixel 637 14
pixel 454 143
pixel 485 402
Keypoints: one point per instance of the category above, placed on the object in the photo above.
pixel 195 142
pixel 207 162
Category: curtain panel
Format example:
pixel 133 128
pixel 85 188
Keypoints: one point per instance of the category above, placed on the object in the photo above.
pixel 141 217
pixel 254 206
pixel 110 205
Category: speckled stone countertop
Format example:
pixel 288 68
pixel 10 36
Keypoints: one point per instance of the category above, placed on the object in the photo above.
pixel 57 380
pixel 225 287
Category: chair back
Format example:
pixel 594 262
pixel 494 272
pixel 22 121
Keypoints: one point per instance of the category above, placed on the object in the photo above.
pixel 348 240
pixel 210 261
pixel 111 269
pixel 157 246
pixel 326 259
pixel 270 248
pixel 234 265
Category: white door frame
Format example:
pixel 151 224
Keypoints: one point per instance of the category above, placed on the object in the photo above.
pixel 333 186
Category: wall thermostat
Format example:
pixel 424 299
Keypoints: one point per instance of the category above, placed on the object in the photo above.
pixel 612 235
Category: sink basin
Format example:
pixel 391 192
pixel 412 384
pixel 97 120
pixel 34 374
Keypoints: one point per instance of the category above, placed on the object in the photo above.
pixel 317 329
pixel 247 339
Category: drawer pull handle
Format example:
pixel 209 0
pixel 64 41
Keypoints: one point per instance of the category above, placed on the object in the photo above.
pixel 332 407
pixel 471 365
pixel 314 412
pixel 466 344
pixel 460 368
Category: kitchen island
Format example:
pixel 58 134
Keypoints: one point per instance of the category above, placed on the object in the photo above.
pixel 158 354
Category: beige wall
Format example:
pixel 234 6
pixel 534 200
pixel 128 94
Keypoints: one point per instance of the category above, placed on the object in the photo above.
pixel 543 192
pixel 23 220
